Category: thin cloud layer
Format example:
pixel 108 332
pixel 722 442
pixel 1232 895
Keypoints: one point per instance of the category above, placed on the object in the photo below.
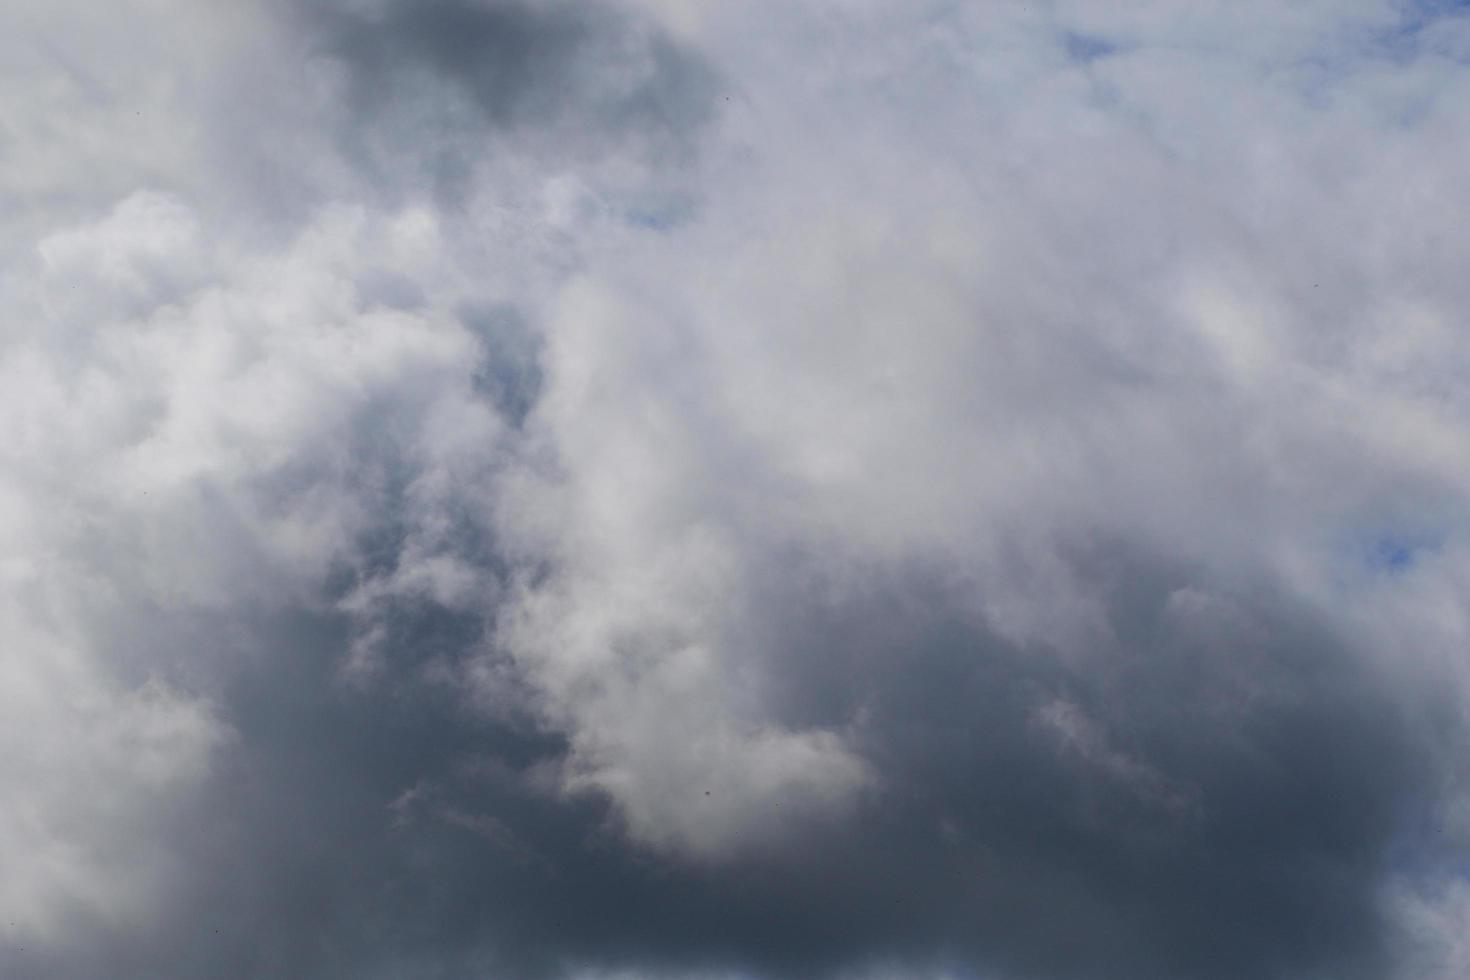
pixel 705 489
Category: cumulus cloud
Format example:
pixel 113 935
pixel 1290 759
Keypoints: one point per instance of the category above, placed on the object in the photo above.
pixel 522 488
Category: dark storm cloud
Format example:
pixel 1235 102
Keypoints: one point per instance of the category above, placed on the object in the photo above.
pixel 367 832
pixel 1187 803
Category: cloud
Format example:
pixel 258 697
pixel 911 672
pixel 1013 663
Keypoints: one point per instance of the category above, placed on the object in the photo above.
pixel 429 89
pixel 711 489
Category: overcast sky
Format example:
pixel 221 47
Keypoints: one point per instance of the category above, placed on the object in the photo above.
pixel 735 489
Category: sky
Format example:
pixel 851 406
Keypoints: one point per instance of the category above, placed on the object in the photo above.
pixel 735 489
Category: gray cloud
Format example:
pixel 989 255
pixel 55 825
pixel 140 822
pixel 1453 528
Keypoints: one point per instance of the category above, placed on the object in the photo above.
pixel 436 86
pixel 354 832
pixel 706 489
